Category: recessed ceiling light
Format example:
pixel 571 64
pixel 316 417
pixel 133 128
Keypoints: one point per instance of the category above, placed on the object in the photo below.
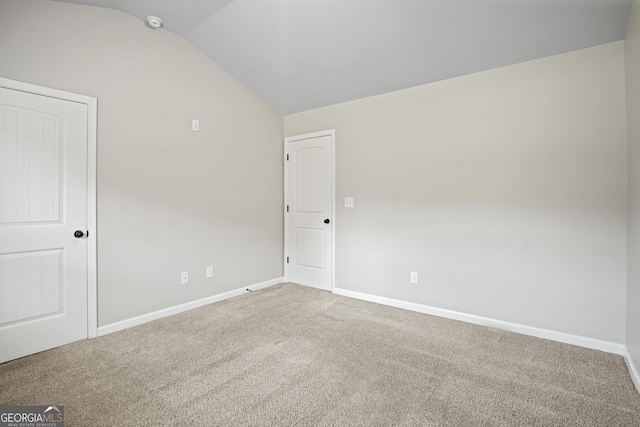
pixel 154 22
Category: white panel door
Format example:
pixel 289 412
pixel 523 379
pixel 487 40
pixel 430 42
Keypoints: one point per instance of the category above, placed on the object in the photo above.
pixel 309 210
pixel 43 202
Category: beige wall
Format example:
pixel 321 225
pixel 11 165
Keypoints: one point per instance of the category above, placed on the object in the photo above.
pixel 632 50
pixel 169 199
pixel 505 190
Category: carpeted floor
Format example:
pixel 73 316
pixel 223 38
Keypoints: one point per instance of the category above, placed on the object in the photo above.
pixel 290 355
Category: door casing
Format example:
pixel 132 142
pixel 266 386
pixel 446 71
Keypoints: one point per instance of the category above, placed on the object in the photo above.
pixel 287 140
pixel 92 119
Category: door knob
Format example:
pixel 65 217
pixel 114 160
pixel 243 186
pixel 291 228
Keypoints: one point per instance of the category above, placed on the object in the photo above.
pixel 78 234
pixel 326 221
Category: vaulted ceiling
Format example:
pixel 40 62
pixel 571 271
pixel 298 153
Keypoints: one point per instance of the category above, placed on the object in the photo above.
pixel 303 54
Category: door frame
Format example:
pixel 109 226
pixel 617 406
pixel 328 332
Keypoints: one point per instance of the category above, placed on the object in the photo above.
pixel 287 140
pixel 92 128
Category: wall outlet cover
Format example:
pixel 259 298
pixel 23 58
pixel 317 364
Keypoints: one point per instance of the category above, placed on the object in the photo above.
pixel 414 277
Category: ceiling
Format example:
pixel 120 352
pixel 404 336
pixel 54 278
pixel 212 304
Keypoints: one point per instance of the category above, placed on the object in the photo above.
pixel 303 54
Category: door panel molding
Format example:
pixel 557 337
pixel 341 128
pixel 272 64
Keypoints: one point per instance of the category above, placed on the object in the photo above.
pixel 92 120
pixel 288 203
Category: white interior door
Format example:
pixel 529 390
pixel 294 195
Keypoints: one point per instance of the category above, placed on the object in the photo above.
pixel 43 201
pixel 309 212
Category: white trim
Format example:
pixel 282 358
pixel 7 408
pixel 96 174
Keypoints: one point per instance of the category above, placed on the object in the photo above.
pixel 285 267
pixel 607 346
pixel 92 126
pixel 92 240
pixel 633 370
pixel 144 318
pixel 332 134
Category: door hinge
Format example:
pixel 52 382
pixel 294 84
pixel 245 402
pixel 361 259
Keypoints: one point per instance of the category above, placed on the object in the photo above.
pixel 287 157
pixel 287 208
pixel 287 260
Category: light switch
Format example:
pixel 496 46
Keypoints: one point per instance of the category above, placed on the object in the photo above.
pixel 348 202
pixel 195 125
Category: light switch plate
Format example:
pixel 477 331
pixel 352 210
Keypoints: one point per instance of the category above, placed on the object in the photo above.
pixel 348 202
pixel 195 125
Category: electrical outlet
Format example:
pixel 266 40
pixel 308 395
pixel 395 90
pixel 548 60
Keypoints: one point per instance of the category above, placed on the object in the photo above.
pixel 209 272
pixel 414 277
pixel 184 277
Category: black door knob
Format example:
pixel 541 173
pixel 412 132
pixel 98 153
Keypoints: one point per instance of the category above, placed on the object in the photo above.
pixel 78 234
pixel 326 221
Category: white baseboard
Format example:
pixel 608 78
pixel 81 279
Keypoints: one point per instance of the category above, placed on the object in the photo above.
pixel 606 346
pixel 144 318
pixel 633 370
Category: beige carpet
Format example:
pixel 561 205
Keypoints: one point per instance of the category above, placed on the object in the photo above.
pixel 294 356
